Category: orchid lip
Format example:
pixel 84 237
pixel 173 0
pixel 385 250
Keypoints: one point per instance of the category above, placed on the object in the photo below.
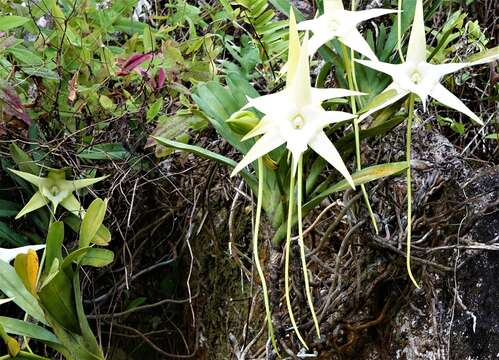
pixel 416 77
pixel 54 190
pixel 334 25
pixel 298 121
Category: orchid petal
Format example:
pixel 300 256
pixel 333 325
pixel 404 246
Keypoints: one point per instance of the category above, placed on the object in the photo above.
pixel 363 15
pixel 318 39
pixel 390 69
pixel 296 146
pixel 416 51
pixel 268 103
pixel 8 255
pixel 33 179
pixel 398 95
pixel 264 145
pixel 319 95
pixel 437 71
pixel 334 117
pixel 300 90
pixel 308 25
pixel 37 201
pixel 483 57
pixel 332 5
pixel 325 148
pixel 261 128
pixel 72 185
pixel 72 204
pixel 355 41
pixel 294 49
pixel 441 94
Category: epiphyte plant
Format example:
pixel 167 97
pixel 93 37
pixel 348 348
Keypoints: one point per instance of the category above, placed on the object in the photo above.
pixel 54 190
pixel 336 22
pixel 415 76
pixel 295 117
pixel 282 119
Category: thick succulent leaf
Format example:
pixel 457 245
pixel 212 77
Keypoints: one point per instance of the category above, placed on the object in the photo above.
pixel 92 221
pixel 57 298
pixel 97 257
pixel 27 329
pixel 55 238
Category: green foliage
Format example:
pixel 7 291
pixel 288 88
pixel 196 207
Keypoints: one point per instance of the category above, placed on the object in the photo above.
pixel 53 298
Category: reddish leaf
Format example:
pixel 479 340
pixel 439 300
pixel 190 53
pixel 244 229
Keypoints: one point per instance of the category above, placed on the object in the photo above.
pixel 132 62
pixel 160 79
pixel 12 103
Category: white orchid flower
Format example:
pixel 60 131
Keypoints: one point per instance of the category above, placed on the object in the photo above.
pixel 417 76
pixel 294 116
pixel 7 255
pixel 54 189
pixel 336 22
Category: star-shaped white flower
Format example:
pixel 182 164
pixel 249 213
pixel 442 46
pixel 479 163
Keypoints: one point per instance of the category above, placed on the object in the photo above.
pixel 294 116
pixel 54 189
pixel 417 76
pixel 8 255
pixel 336 22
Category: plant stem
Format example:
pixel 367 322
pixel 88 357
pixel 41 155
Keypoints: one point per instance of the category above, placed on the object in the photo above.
pixel 257 258
pixel 25 355
pixel 302 247
pixel 286 260
pixel 399 30
pixel 352 84
pixel 409 187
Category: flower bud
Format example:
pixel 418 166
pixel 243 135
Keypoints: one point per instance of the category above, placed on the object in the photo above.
pixel 12 346
pixel 242 122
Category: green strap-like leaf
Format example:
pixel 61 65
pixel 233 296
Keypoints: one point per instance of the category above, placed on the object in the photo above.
pixel 207 154
pixel 12 286
pixel 55 238
pixel 57 298
pixel 24 328
pixel 97 257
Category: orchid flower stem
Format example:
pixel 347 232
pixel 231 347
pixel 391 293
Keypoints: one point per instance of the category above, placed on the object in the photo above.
pixel 352 84
pixel 409 188
pixel 286 260
pixel 399 30
pixel 255 253
pixel 302 246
